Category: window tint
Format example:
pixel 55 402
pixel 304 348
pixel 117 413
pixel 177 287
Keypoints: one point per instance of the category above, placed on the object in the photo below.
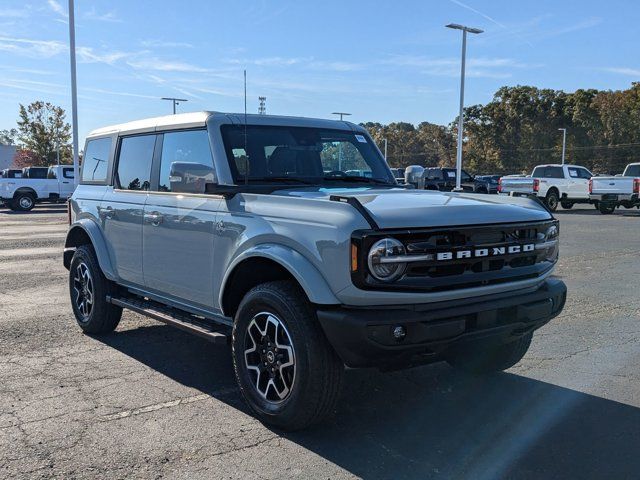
pixel 584 173
pixel 186 163
pixel 554 172
pixel 134 162
pixel 67 173
pixel 51 174
pixel 632 171
pixel 538 172
pixel 36 172
pixel 95 160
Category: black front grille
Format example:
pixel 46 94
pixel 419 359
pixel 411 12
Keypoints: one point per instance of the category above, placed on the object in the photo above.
pixel 460 271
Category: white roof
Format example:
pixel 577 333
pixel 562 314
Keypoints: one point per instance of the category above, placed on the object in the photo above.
pixel 181 120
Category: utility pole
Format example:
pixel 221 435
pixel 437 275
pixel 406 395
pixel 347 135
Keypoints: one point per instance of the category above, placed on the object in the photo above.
pixel 74 93
pixel 564 142
pixel 464 29
pixel 176 101
pixel 262 108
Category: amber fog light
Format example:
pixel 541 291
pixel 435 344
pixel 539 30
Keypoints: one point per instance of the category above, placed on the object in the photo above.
pixel 385 260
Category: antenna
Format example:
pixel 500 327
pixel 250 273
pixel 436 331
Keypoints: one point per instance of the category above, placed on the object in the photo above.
pixel 246 154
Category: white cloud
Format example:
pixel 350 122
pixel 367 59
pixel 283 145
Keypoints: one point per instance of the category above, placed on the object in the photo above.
pixel 633 72
pixel 14 13
pixel 32 48
pixel 57 8
pixel 101 17
pixel 164 44
pixel 160 65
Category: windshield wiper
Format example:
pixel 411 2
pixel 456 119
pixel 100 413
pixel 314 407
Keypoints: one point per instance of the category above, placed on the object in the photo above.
pixel 356 179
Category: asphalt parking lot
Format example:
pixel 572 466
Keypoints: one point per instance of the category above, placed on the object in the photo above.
pixel 152 402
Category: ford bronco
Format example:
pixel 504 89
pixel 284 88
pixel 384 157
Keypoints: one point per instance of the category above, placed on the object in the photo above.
pixel 249 230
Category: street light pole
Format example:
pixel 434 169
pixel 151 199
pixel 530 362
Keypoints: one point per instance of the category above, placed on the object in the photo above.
pixel 176 101
pixel 385 149
pixel 74 93
pixel 464 29
pixel 564 142
pixel 342 114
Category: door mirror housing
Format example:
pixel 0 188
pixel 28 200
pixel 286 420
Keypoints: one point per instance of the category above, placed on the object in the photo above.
pixel 227 191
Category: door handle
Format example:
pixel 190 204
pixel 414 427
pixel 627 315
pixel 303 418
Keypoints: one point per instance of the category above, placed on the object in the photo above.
pixel 106 212
pixel 154 219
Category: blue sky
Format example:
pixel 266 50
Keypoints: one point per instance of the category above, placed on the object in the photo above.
pixel 381 60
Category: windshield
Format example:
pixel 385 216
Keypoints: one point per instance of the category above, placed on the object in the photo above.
pixel 302 155
pixel 632 171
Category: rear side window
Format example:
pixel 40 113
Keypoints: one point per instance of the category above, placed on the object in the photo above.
pixel 67 173
pixel 187 164
pixel 134 162
pixel 632 171
pixel 36 172
pixel 554 172
pixel 95 160
pixel 51 174
pixel 584 173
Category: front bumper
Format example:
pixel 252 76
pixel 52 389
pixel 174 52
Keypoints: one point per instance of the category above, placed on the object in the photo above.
pixel 363 337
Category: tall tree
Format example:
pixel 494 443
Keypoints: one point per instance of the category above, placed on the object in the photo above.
pixel 8 137
pixel 43 130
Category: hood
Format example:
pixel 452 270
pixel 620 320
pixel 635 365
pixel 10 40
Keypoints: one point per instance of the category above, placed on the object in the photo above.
pixel 400 208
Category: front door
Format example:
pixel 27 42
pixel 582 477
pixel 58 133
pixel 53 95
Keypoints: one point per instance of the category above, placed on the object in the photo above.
pixel 122 207
pixel 180 221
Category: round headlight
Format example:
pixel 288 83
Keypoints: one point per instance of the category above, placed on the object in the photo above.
pixel 381 263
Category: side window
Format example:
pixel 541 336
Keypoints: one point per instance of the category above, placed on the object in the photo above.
pixel 573 172
pixel 67 173
pixel 584 173
pixel 95 160
pixel 134 162
pixel 51 174
pixel 187 164
pixel 538 172
pixel 554 172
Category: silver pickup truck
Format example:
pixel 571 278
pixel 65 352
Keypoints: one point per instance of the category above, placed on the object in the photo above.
pixel 611 192
pixel 290 239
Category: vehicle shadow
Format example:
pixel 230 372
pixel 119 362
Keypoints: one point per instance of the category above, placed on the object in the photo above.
pixel 430 421
pixel 36 211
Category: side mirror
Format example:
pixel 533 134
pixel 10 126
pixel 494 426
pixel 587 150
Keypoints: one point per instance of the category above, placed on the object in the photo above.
pixel 190 177
pixel 414 175
pixel 227 191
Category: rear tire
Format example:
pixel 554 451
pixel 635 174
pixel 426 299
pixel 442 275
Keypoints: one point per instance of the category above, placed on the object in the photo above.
pixel 552 200
pixel 23 202
pixel 88 288
pixel 566 205
pixel 606 208
pixel 491 359
pixel 287 372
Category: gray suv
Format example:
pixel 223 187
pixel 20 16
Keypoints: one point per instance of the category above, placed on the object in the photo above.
pixel 290 239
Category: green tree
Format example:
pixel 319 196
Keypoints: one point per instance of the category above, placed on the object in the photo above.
pixel 8 137
pixel 42 129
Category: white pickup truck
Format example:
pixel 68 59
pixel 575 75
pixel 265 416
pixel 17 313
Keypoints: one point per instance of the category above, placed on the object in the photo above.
pixel 611 192
pixel 553 184
pixel 23 193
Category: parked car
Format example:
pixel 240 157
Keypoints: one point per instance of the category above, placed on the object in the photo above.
pixel 11 173
pixel 610 192
pixel 553 184
pixel 444 180
pixel 302 271
pixel 23 193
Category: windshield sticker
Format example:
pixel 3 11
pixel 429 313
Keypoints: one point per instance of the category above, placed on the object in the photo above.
pixel 361 139
pixel 451 174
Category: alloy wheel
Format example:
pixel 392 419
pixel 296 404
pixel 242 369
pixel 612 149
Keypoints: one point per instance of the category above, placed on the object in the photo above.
pixel 270 357
pixel 83 290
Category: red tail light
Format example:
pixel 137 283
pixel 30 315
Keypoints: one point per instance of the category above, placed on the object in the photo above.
pixel 636 185
pixel 536 185
pixel 590 186
pixel 500 185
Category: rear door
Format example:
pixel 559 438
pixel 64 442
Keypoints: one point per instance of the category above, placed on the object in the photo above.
pixel 578 182
pixel 180 220
pixel 122 207
pixel 66 182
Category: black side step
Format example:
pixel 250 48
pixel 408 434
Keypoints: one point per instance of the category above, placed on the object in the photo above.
pixel 174 317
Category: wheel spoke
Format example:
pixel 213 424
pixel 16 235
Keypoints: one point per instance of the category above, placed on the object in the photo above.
pixel 269 357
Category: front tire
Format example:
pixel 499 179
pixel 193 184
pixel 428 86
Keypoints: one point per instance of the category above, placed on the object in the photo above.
pixel 89 288
pixel 286 370
pixel 552 200
pixel 566 205
pixel 479 359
